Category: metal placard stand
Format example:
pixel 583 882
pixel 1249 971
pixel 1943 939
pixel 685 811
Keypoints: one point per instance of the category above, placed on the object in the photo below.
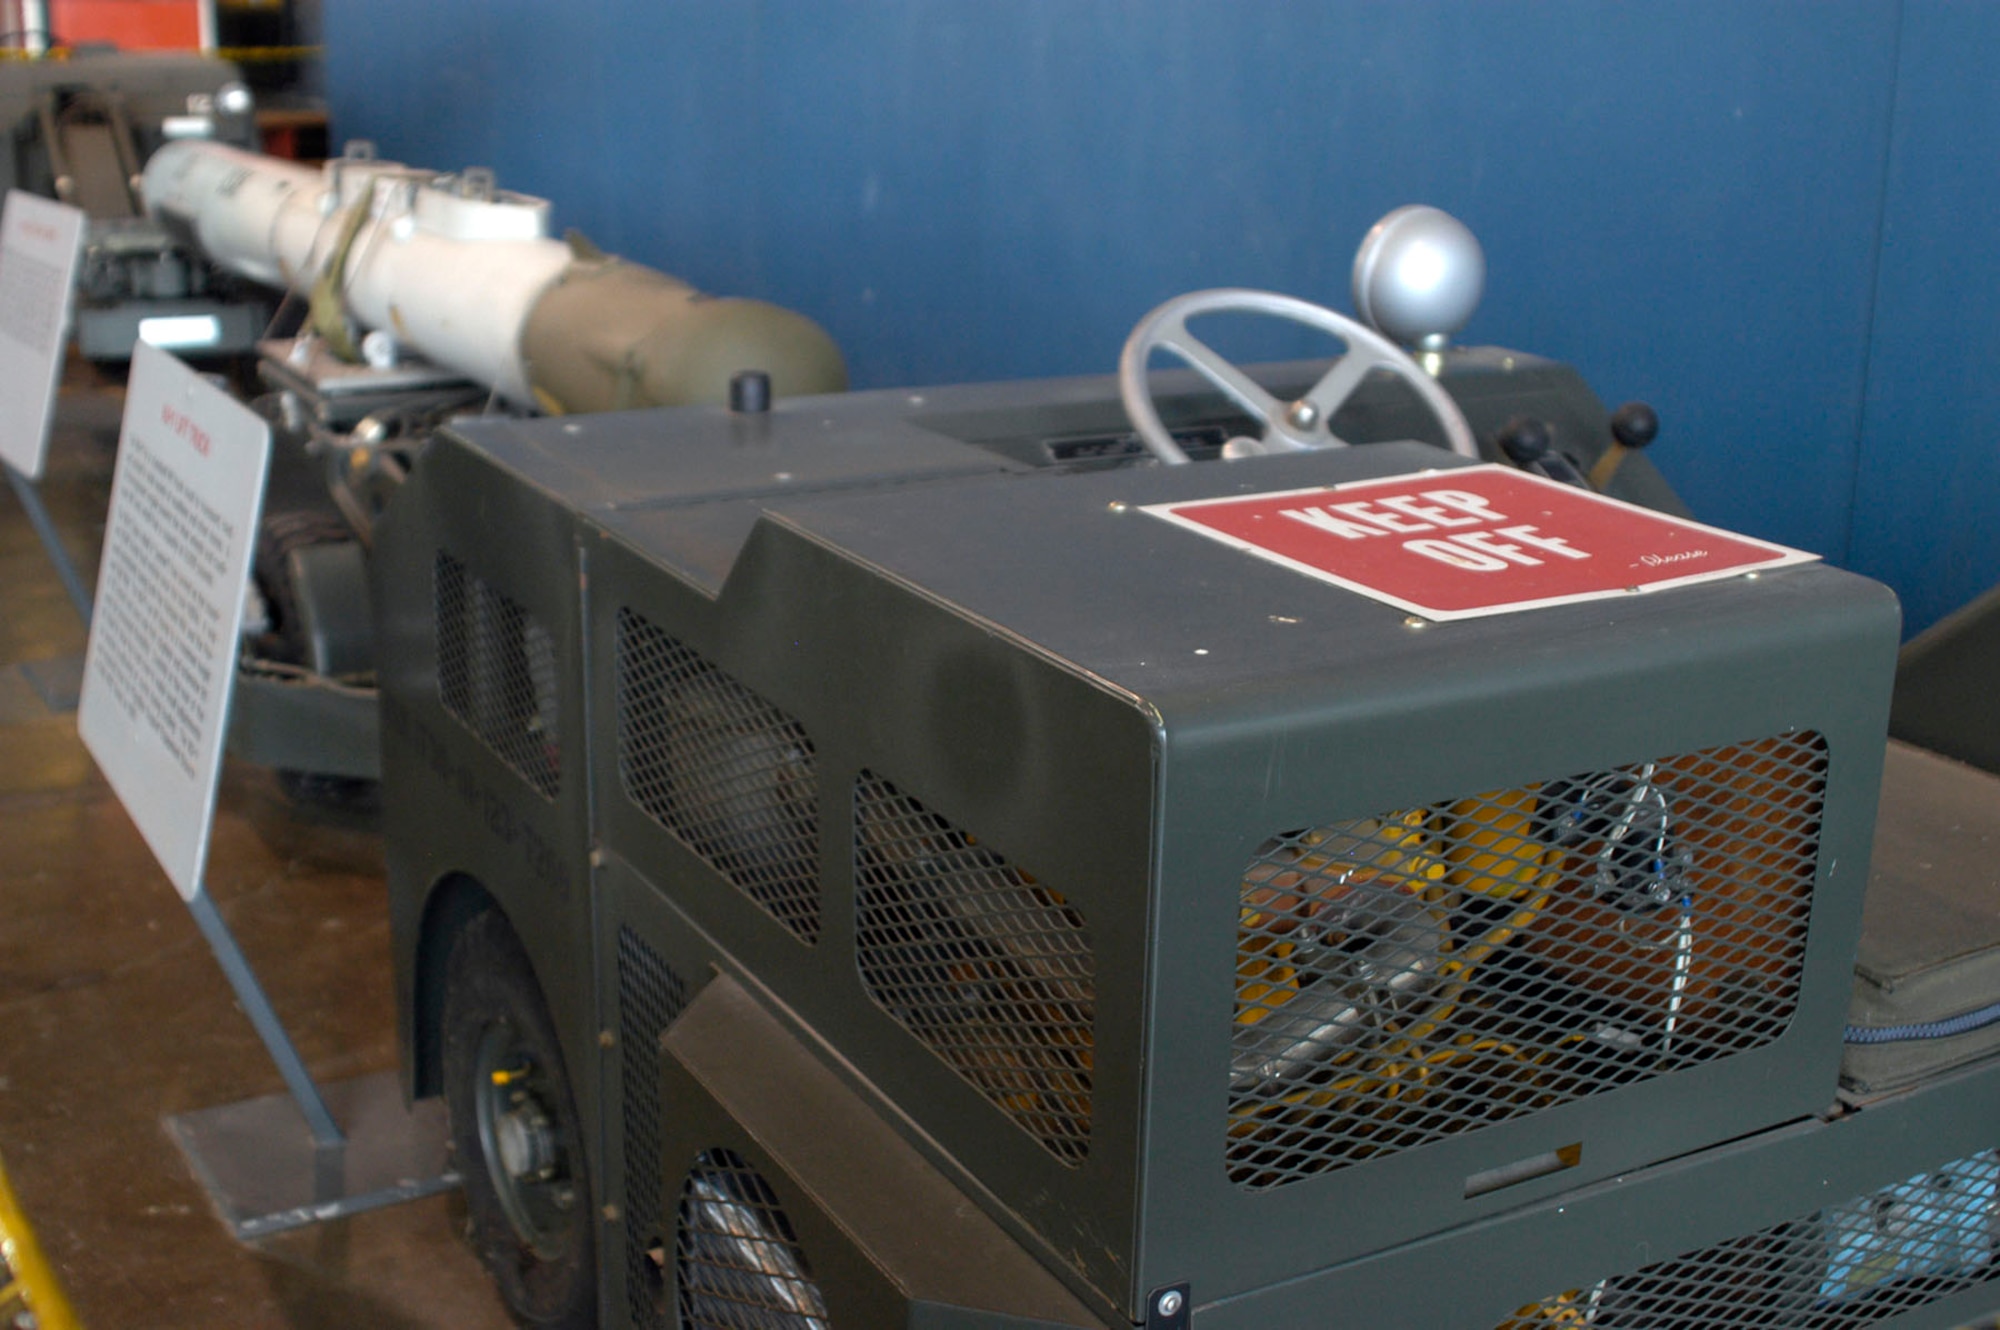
pixel 45 529
pixel 41 244
pixel 59 680
pixel 177 544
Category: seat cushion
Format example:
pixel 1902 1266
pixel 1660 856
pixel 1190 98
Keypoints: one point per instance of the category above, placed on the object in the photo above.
pixel 1930 931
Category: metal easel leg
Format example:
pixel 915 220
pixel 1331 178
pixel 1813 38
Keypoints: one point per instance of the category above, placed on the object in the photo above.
pixel 249 1155
pixel 45 527
pixel 326 1135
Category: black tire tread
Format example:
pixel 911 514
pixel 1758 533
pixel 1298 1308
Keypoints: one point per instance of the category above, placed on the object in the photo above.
pixel 489 977
pixel 277 536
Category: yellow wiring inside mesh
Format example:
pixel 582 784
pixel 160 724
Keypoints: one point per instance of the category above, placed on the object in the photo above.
pixel 1488 850
pixel 1570 1308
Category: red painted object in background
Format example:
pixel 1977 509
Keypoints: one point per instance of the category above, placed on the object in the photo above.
pixel 130 25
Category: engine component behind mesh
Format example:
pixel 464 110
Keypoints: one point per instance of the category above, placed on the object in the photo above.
pixel 730 775
pixel 990 968
pixel 496 670
pixel 737 1263
pixel 650 996
pixel 1849 1265
pixel 1420 974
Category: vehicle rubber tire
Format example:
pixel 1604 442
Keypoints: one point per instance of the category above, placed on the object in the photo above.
pixel 341 796
pixel 548 1280
pixel 277 536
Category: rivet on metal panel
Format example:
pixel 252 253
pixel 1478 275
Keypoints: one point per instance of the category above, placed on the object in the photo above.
pixel 1415 621
pixel 596 858
pixel 607 1039
pixel 611 1215
pixel 1167 1308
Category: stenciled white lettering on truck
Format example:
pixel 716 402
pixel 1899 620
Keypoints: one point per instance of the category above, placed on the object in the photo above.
pixel 1491 548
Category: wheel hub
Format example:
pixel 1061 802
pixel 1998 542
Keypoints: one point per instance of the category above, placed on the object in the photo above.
pixel 526 1143
pixel 525 1148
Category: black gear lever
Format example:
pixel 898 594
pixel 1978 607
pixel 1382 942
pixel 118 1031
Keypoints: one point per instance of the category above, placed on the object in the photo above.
pixel 1529 444
pixel 1633 426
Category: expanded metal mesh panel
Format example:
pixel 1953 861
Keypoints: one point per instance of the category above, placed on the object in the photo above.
pixel 729 774
pixel 1849 1265
pixel 497 673
pixel 739 1265
pixel 972 955
pixel 1412 976
pixel 650 998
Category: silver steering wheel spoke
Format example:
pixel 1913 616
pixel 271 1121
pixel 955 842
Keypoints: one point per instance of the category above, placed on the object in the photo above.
pixel 1338 384
pixel 1287 428
pixel 1240 388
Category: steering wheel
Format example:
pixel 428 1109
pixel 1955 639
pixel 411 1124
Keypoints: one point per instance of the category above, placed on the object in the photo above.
pixel 1288 426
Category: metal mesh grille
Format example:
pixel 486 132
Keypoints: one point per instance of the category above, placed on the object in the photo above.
pixel 739 1264
pixel 1849 1265
pixel 986 965
pixel 1405 978
pixel 726 772
pixel 497 673
pixel 650 998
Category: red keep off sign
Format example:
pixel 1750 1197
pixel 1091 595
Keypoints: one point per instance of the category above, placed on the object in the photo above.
pixel 1481 540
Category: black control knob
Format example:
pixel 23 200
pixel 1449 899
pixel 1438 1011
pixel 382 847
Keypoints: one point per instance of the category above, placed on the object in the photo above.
pixel 1531 445
pixel 1635 424
pixel 1525 441
pixel 750 392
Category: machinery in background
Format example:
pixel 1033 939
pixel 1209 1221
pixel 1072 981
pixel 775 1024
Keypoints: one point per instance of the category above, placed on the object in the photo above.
pixel 427 296
pixel 401 265
pixel 1945 685
pixel 80 130
pixel 851 865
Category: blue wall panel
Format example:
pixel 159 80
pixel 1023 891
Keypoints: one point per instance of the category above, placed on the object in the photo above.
pixel 1927 496
pixel 1684 200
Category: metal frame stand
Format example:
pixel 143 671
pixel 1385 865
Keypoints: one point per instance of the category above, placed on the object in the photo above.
pixel 265 1176
pixel 56 681
pixel 236 966
pixel 45 528
pixel 262 1173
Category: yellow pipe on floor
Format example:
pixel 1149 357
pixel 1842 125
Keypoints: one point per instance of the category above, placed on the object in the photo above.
pixel 34 1281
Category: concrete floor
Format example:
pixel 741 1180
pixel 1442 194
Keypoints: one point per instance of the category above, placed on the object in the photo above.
pixel 114 1014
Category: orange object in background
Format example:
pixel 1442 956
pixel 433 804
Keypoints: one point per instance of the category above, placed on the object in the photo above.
pixel 130 25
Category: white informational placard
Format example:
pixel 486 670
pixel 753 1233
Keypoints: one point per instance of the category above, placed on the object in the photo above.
pixel 41 242
pixel 162 654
